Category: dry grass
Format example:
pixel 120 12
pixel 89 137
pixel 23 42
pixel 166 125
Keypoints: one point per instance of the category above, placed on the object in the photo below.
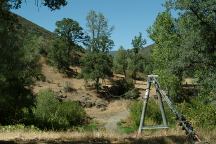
pixel 27 136
pixel 170 136
pixel 81 137
pixel 56 81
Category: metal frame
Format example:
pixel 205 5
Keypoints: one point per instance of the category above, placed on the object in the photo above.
pixel 151 80
pixel 162 96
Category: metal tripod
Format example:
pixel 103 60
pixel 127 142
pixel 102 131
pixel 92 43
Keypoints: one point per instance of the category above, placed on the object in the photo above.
pixel 151 80
pixel 186 125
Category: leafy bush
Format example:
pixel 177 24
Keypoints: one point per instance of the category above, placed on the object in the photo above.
pixel 132 94
pixel 153 113
pixel 19 127
pixel 199 113
pixel 170 82
pixel 72 113
pixel 96 66
pixel 58 56
pixel 50 113
pixel 135 113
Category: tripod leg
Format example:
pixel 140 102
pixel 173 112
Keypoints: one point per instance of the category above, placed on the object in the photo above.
pixel 162 110
pixel 160 103
pixel 146 97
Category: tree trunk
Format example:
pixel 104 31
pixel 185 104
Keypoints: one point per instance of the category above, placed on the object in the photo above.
pixel 125 74
pixel 97 84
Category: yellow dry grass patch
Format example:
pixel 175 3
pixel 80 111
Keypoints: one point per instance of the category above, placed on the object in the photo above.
pixel 169 136
pixel 76 136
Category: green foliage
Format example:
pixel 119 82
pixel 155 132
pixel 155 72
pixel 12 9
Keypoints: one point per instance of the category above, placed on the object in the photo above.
pixel 170 82
pixel 135 113
pixel 147 59
pixel 153 113
pixel 50 113
pixel 99 32
pixel 136 60
pixel 45 111
pixel 138 42
pixel 52 4
pixel 165 53
pixel 30 56
pixel 120 61
pixel 19 127
pixel 65 47
pixel 124 128
pixel 71 114
pixel 132 94
pixel 97 63
pixel 208 83
pixel 58 55
pixel 71 31
pixel 91 127
pixel 18 62
pixel 185 46
pixel 202 115
pixel 131 64
pixel 19 68
pixel 96 66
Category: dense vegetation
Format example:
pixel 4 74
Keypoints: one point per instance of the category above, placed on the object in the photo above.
pixel 20 53
pixel 19 68
pixel 63 54
pixel 184 47
pixel 97 62
pixel 50 113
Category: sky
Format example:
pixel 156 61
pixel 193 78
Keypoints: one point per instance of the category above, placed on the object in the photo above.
pixel 129 17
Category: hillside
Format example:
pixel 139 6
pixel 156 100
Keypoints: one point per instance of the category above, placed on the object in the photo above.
pixel 46 37
pixel 146 51
pixel 32 28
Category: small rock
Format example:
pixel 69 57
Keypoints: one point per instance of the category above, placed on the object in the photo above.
pixel 103 108
pixel 101 104
pixel 86 101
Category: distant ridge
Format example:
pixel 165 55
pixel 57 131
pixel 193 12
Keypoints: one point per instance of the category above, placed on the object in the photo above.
pixel 33 28
pixel 146 51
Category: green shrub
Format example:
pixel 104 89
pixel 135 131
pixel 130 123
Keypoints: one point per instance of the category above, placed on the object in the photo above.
pixel 201 114
pixel 57 55
pixel 170 83
pixel 135 113
pixel 72 113
pixel 153 114
pixel 125 128
pixel 50 113
pixel 90 127
pixel 19 127
pixel 132 94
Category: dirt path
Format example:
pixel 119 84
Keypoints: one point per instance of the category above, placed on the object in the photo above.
pixel 115 112
pixel 111 123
